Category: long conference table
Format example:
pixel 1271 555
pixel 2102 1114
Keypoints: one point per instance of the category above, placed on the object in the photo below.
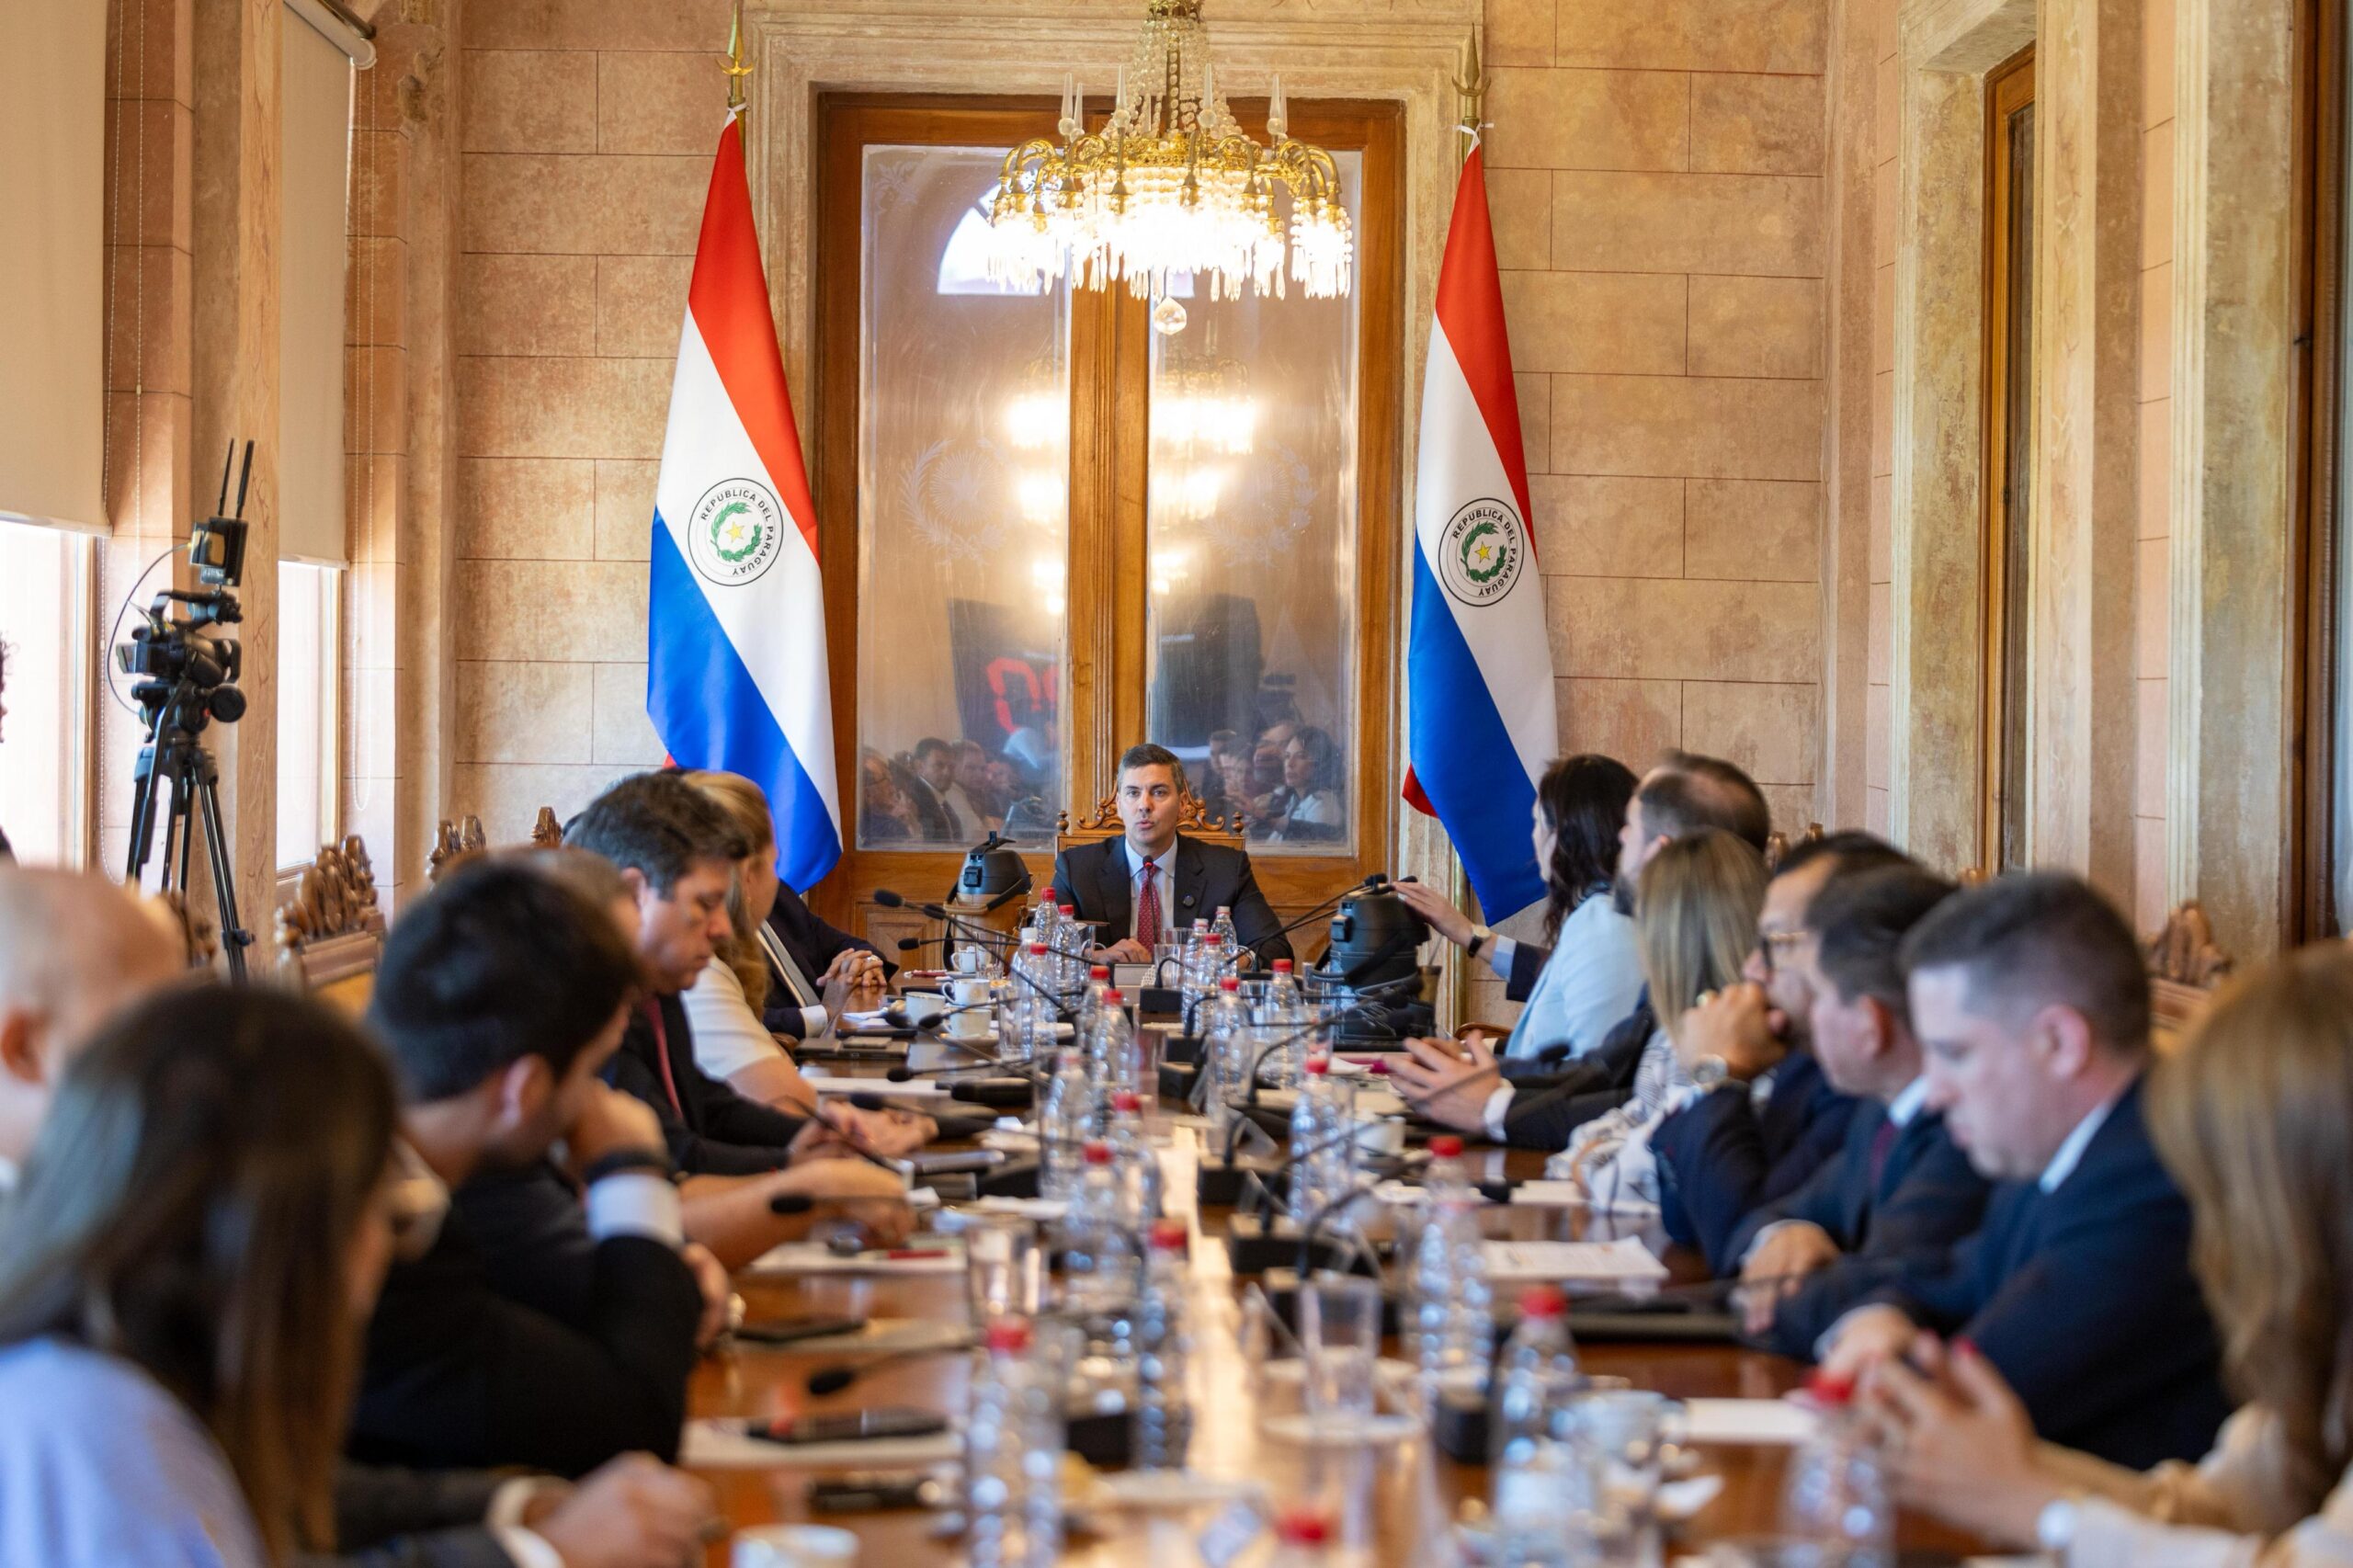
pixel 1384 1502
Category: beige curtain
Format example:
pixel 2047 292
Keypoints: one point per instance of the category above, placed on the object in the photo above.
pixel 52 271
pixel 314 79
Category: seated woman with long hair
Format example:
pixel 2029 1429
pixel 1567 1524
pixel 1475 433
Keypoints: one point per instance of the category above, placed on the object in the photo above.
pixel 1585 974
pixel 1695 921
pixel 201 1234
pixel 2254 1118
pixel 724 1007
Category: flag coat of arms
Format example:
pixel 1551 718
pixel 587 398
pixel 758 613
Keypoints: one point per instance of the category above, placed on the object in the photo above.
pixel 1481 725
pixel 737 676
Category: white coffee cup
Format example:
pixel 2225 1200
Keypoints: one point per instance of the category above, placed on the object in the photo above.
pixel 794 1546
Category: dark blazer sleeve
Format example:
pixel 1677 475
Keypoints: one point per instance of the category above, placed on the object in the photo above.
pixel 391 1518
pixel 814 940
pixel 1712 1164
pixel 1255 924
pixel 1064 885
pixel 458 1375
pixel 723 1133
pixel 1527 962
pixel 1827 1199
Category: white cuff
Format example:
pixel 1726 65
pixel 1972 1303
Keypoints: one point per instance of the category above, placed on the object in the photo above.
pixel 1830 1335
pixel 1497 1107
pixel 1499 954
pixel 814 1022
pixel 528 1549
pixel 514 1498
pixel 1758 1240
pixel 2055 1528
pixel 635 1203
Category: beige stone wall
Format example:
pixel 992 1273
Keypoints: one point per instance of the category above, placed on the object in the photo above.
pixel 585 133
pixel 1656 174
pixel 1879 17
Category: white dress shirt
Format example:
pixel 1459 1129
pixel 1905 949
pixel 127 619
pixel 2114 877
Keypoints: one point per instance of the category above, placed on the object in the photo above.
pixel 2071 1153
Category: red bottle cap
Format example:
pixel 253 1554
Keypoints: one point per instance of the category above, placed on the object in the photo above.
pixel 1168 1235
pixel 1011 1335
pixel 1447 1146
pixel 1127 1100
pixel 1542 1302
pixel 1303 1529
pixel 1318 1066
pixel 1099 1154
pixel 1100 971
pixel 1113 999
pixel 1282 966
pixel 1826 1390
pixel 1230 982
pixel 1037 950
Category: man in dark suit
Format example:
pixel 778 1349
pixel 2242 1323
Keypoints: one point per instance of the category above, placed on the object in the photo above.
pixel 806 955
pixel 1148 884
pixel 1772 1119
pixel 676 853
pixel 932 773
pixel 2033 1009
pixel 500 996
pixel 1898 1184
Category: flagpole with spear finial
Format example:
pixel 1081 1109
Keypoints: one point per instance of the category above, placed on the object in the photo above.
pixel 1471 98
pixel 735 67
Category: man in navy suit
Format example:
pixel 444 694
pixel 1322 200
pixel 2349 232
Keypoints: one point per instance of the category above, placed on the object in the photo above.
pixel 1145 886
pixel 2033 1009
pixel 806 955
pixel 1898 1184
pixel 1771 1120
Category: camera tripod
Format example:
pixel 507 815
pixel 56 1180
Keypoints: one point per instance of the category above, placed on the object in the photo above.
pixel 174 758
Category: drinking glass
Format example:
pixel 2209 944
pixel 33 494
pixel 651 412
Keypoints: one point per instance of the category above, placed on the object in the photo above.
pixel 1623 1433
pixel 1005 1269
pixel 793 1546
pixel 1339 1330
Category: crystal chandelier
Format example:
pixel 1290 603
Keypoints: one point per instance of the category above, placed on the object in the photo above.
pixel 1170 186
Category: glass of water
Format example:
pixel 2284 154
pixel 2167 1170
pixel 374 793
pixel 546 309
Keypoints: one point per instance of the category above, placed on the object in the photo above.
pixel 1005 1269
pixel 1339 1332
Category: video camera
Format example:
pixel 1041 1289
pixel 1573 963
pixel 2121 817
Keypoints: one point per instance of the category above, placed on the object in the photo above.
pixel 192 675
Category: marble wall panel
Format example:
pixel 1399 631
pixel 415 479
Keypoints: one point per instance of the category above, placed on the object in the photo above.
pixel 1633 720
pixel 1757 326
pixel 1631 628
pixel 1757 125
pixel 1694 426
pixel 1752 531
pixel 1607 322
pixel 1589 120
pixel 1734 224
pixel 1769 730
pixel 1609 528
pixel 1694 35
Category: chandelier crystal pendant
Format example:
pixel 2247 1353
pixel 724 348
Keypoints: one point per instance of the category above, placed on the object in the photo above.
pixel 1171 186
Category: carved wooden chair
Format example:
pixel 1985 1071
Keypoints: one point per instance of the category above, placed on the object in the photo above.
pixel 2185 968
pixel 455 841
pixel 331 934
pixel 1193 820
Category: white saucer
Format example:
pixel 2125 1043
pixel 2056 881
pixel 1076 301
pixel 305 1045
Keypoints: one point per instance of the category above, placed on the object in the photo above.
pixel 1356 1432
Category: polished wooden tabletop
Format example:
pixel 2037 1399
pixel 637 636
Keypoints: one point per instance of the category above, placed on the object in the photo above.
pixel 1386 1501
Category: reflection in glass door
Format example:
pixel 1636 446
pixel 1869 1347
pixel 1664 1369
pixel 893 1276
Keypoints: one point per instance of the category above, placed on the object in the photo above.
pixel 963 516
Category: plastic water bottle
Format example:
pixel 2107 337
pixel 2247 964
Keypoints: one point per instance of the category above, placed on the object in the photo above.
pixel 1065 1122
pixel 1284 1012
pixel 1163 1412
pixel 1322 1149
pixel 1013 1443
pixel 1100 1260
pixel 1542 1483
pixel 1225 1053
pixel 1449 1306
pixel 1838 1498
pixel 1133 1161
pixel 1119 1051
pixel 1204 962
pixel 1224 927
pixel 1027 1031
pixel 1090 1001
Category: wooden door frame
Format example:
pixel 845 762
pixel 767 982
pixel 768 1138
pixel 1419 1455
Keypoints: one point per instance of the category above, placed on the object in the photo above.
pixel 2009 87
pixel 1102 705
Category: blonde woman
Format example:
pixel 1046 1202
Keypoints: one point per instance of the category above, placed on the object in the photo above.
pixel 1695 923
pixel 2254 1118
pixel 725 1005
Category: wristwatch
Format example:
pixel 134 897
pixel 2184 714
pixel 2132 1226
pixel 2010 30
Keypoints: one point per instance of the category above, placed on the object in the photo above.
pixel 1710 1071
pixel 649 1162
pixel 1480 937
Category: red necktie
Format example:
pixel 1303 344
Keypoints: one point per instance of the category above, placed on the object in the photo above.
pixel 1148 908
pixel 653 1009
pixel 1882 1145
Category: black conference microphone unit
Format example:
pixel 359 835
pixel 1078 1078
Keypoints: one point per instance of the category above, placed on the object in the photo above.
pixel 1373 883
pixel 835 1378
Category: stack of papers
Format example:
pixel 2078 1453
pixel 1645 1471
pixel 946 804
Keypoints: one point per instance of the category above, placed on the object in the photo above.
pixel 1624 1261
pixel 1773 1420
pixel 808 1257
pixel 914 1089
pixel 719 1444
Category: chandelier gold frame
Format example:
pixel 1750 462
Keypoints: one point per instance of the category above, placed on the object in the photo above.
pixel 1171 184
